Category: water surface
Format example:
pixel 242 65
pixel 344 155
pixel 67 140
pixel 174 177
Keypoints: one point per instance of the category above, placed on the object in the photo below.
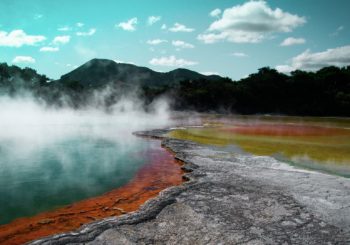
pixel 53 157
pixel 316 143
pixel 159 171
pixel 64 172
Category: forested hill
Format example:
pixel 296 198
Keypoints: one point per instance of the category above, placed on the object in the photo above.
pixel 322 93
pixel 99 72
pixel 13 79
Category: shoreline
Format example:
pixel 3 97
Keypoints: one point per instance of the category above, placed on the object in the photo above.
pixel 146 184
pixel 230 200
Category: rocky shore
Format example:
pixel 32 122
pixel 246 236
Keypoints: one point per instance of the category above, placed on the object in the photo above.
pixel 230 199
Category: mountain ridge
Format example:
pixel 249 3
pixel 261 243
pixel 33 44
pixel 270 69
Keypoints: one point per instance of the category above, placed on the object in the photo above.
pixel 98 72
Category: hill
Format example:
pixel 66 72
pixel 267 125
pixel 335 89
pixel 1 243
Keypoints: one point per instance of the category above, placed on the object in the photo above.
pixel 99 72
pixel 14 78
pixel 325 92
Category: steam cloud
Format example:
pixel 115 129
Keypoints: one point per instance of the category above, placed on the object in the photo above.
pixel 31 124
pixel 65 154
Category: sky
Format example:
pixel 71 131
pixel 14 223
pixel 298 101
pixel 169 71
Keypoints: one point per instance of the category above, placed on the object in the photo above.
pixel 231 38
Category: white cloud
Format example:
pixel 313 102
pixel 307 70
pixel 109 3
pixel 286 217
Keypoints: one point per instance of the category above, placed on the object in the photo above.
pixel 130 25
pixel 64 28
pixel 292 41
pixel 38 16
pixel 215 13
pixel 23 59
pixel 180 28
pixel 340 28
pixel 153 19
pixel 61 40
pixel 18 38
pixel 163 27
pixel 339 56
pixel 88 33
pixel 70 65
pixel 211 37
pixel 250 22
pixel 171 61
pixel 79 24
pixel 239 54
pixel 337 31
pixel 209 73
pixel 181 44
pixel 284 68
pixel 124 62
pixel 156 41
pixel 49 49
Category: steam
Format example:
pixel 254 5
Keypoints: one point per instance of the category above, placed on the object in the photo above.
pixel 67 154
pixel 30 124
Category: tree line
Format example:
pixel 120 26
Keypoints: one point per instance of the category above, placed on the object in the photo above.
pixel 322 93
pixel 325 92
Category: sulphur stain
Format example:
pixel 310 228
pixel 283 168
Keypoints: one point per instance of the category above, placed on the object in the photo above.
pixel 326 149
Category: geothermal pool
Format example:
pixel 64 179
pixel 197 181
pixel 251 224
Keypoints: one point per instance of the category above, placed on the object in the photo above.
pixel 61 168
pixel 321 144
pixel 64 172
pixel 54 157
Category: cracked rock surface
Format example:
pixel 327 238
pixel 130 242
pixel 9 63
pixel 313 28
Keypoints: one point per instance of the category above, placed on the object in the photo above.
pixel 230 199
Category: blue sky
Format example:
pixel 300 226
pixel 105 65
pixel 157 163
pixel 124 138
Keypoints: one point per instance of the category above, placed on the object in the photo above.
pixel 228 37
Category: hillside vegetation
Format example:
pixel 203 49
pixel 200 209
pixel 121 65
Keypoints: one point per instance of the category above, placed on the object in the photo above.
pixel 322 93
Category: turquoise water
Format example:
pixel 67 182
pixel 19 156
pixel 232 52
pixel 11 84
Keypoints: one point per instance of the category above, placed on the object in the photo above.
pixel 63 172
pixel 53 157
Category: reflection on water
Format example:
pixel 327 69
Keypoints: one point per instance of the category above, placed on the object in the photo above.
pixel 316 143
pixel 63 172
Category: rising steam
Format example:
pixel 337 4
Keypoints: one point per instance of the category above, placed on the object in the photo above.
pixel 67 154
